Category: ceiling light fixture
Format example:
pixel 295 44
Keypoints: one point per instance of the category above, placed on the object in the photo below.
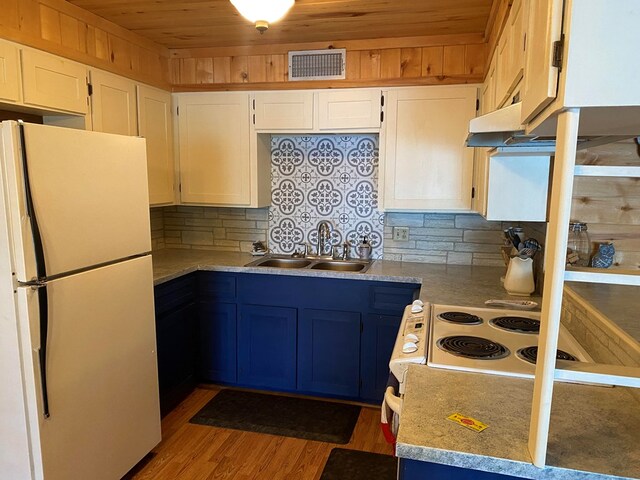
pixel 262 12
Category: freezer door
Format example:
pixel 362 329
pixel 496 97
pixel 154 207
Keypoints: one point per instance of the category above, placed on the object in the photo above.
pixel 89 192
pixel 101 371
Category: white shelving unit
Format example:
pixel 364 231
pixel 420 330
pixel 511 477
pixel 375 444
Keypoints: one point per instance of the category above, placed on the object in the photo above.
pixel 579 80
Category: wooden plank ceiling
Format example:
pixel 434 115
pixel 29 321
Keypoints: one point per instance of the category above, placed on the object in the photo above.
pixel 216 23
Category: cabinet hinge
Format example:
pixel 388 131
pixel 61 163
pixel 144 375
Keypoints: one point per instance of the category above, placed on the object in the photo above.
pixel 477 104
pixel 180 187
pixel 254 118
pixel 558 49
pixel 381 117
pixel 382 100
pixel 254 103
pixel 177 110
pixel 89 89
pixel 473 192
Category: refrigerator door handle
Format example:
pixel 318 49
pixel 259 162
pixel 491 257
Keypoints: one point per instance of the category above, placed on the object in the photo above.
pixel 41 269
pixel 43 308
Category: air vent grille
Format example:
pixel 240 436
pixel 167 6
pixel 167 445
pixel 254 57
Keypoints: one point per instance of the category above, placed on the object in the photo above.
pixel 317 64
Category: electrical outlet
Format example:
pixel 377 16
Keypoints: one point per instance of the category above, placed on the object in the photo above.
pixel 401 234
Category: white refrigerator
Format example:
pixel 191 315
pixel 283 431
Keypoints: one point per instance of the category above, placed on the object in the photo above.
pixel 78 370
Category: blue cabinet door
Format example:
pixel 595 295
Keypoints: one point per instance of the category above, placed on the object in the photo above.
pixel 378 338
pixel 329 352
pixel 267 346
pixel 218 361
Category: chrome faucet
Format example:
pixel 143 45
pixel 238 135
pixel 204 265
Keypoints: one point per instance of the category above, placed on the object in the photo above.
pixel 324 232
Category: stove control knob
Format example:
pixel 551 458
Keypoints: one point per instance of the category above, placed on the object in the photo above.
pixel 409 347
pixel 411 337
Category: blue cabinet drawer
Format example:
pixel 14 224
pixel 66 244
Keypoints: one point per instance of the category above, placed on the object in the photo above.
pixel 389 298
pixel 174 293
pixel 217 285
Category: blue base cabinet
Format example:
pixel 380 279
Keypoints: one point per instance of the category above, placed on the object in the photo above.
pixel 176 339
pixel 329 352
pixel 378 339
pixel 313 335
pixel 267 339
pixel 416 470
pixel 217 320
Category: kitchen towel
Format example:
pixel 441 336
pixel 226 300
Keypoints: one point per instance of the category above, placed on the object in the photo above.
pixel 280 415
pixel 356 465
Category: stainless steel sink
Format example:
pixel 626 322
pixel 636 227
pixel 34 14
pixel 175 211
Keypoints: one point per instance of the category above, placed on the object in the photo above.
pixel 327 264
pixel 281 263
pixel 340 266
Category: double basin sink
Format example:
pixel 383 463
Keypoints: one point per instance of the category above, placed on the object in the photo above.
pixel 327 264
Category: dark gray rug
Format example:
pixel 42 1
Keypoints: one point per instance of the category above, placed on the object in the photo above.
pixel 277 415
pixel 355 465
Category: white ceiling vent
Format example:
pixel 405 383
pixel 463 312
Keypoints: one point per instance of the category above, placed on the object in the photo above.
pixel 317 64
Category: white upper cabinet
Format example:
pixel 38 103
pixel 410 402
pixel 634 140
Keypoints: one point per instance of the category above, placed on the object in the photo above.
pixel 283 110
pixel 510 51
pixel 113 104
pixel 597 70
pixel 317 111
pixel 347 109
pixel 54 83
pixel 9 72
pixel 215 161
pixel 541 77
pixel 427 166
pixel 155 124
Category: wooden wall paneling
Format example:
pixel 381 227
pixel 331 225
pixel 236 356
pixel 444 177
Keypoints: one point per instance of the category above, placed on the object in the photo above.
pixel 239 70
pixel 497 20
pixel 63 29
pixel 257 68
pixel 475 59
pixel 453 60
pixel 410 62
pixel 188 70
pixel 222 69
pixel 352 67
pixel 277 68
pixel 370 64
pixel 204 70
pixel 390 63
pixel 432 61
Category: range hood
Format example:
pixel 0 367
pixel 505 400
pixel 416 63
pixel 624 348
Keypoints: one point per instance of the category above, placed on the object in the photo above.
pixel 502 128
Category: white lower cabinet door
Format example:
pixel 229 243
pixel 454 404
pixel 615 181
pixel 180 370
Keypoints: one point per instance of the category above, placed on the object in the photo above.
pixel 427 165
pixel 101 372
pixel 215 159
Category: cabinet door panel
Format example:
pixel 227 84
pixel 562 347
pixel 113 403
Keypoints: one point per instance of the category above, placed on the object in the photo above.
pixel 113 104
pixel 214 148
pixel 428 166
pixel 54 83
pixel 329 352
pixel 218 341
pixel 155 124
pixel 267 346
pixel 284 110
pixel 9 72
pixel 378 338
pixel 355 108
pixel 177 355
pixel 540 76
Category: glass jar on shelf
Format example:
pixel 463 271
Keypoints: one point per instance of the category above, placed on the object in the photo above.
pixel 579 244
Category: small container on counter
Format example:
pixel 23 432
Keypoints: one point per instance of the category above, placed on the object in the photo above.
pixel 579 243
pixel 364 249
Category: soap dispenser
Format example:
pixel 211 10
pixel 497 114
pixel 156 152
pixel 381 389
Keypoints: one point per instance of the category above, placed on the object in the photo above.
pixel 364 248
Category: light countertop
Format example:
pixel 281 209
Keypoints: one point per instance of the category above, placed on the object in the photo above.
pixel 444 284
pixel 595 431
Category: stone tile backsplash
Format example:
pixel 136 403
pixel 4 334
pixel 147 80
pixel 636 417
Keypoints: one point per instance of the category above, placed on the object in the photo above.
pixel 324 177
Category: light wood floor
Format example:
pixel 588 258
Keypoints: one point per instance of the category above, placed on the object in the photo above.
pixel 197 452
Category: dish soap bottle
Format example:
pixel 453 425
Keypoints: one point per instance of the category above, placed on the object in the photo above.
pixel 364 248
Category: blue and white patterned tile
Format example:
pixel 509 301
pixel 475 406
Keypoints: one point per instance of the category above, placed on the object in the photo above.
pixel 324 177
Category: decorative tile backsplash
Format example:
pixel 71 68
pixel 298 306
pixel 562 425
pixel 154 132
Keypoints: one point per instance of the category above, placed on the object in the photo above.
pixel 324 177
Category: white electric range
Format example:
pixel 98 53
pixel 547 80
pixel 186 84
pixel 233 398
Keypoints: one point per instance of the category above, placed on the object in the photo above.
pixel 496 341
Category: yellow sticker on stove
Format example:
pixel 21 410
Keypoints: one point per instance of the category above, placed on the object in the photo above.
pixel 470 423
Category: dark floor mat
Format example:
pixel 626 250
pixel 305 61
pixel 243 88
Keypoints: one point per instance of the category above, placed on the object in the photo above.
pixel 278 415
pixel 356 465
